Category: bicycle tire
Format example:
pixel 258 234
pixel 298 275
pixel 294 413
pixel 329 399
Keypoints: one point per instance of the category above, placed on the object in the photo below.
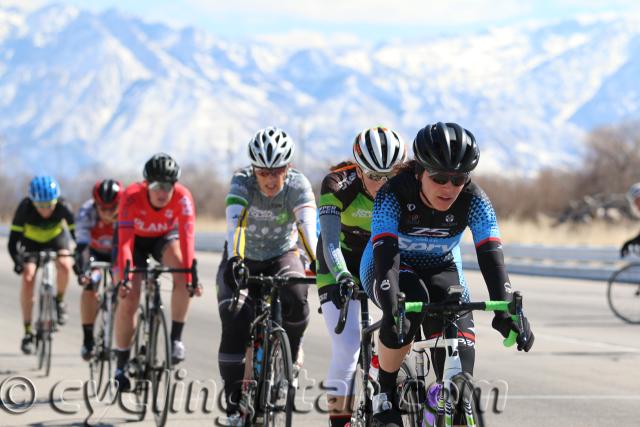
pixel 159 365
pixel 40 333
pixel 138 357
pixel 623 293
pixel 102 363
pixel 408 400
pixel 468 397
pixel 278 377
pixel 362 407
pixel 46 323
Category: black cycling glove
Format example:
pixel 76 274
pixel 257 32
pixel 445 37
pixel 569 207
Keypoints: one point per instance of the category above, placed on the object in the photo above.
pixel 232 271
pixel 503 323
pixel 337 292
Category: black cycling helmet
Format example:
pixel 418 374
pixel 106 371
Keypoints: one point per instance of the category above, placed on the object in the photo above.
pixel 106 193
pixel 446 147
pixel 161 167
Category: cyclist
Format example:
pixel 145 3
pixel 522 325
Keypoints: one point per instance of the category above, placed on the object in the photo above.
pixel 95 223
pixel 38 225
pixel 418 220
pixel 269 206
pixel 156 218
pixel 346 203
pixel 633 195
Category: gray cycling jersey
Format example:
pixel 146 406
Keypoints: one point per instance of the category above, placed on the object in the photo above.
pixel 270 228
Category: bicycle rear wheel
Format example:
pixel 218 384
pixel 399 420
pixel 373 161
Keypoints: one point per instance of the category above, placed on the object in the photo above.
pixel 623 293
pixel 279 393
pixel 362 394
pixel 159 364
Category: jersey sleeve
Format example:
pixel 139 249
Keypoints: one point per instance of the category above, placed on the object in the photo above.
pixel 303 205
pixel 67 214
pixel 486 237
pixel 236 212
pixel 126 233
pixel 17 228
pixel 186 223
pixel 330 211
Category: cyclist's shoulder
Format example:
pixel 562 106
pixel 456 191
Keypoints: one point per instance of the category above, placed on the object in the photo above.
pixel 64 205
pixel 87 209
pixel 340 178
pixel 297 180
pixel 181 190
pixel 243 178
pixel 474 191
pixel 403 186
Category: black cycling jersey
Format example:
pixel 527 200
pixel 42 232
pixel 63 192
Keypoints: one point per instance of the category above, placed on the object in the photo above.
pixel 28 225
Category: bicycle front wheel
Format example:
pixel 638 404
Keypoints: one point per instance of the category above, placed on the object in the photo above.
pixel 159 364
pixel 279 393
pixel 465 402
pixel 102 364
pixel 44 333
pixel 362 390
pixel 408 401
pixel 623 293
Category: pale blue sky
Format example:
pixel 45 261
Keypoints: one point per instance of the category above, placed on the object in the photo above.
pixel 370 19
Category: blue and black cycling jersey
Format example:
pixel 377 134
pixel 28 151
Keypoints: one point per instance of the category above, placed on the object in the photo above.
pixel 405 231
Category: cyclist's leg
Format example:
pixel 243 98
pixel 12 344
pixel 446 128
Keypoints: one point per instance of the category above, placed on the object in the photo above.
pixel 125 316
pixel 28 283
pixel 64 264
pixel 295 307
pixel 167 251
pixel 89 306
pixel 234 339
pixel 344 347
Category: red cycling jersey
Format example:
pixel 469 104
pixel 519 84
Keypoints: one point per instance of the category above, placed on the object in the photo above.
pixel 137 217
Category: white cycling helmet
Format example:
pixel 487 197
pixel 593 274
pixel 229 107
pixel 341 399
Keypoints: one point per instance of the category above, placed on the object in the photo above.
pixel 378 150
pixel 271 148
pixel 634 192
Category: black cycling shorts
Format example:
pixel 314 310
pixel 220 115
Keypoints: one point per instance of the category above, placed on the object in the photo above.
pixel 61 242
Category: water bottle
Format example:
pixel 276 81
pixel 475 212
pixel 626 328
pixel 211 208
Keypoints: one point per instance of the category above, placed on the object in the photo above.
pixel 430 407
pixel 96 277
pixel 259 355
pixel 374 368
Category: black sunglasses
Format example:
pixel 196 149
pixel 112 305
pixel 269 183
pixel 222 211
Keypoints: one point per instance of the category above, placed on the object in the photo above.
pixel 441 178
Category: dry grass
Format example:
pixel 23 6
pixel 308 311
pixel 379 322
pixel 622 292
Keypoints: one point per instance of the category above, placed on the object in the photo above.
pixel 598 233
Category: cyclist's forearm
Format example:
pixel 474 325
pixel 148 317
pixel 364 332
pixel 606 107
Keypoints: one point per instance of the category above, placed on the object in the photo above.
pixel 386 257
pixel 491 262
pixel 14 237
pixel 236 215
pixel 330 227
pixel 306 222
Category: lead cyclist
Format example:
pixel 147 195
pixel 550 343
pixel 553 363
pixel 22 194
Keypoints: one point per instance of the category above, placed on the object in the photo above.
pixel 269 206
pixel 418 220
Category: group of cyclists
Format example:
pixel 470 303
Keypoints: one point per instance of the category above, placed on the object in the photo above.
pixel 387 224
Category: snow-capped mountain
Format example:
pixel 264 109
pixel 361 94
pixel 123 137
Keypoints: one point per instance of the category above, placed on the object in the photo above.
pixel 80 90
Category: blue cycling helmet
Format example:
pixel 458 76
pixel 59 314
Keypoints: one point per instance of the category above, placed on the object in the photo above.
pixel 44 188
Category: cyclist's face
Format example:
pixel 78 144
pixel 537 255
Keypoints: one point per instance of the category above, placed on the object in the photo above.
pixel 159 197
pixel 372 185
pixel 108 216
pixel 270 181
pixel 438 196
pixel 45 210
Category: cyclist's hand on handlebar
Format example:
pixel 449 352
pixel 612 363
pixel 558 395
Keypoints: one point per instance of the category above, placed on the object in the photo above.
pixel 78 263
pixel 504 323
pixel 124 287
pixel 233 270
pixel 18 268
pixel 338 292
pixel 195 290
pixel 628 245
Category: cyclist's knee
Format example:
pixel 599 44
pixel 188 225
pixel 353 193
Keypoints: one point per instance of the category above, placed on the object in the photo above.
pixel 29 274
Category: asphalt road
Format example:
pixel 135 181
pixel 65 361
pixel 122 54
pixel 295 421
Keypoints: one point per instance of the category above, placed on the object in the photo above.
pixel 582 370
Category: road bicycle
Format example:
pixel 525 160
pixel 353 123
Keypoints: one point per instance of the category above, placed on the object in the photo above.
pixel 102 363
pixel 269 394
pixel 150 366
pixel 623 293
pixel 47 322
pixel 457 397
